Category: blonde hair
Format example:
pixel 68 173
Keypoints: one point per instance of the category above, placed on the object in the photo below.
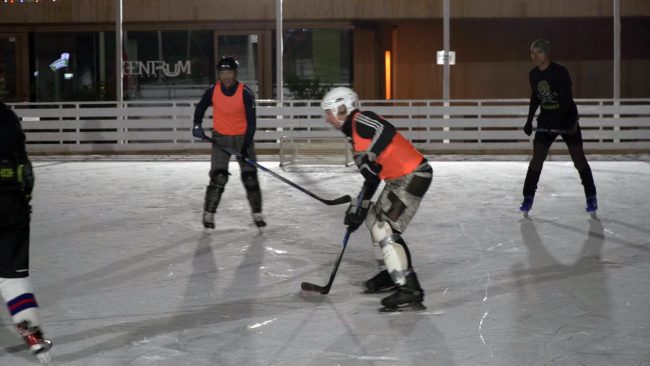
pixel 542 44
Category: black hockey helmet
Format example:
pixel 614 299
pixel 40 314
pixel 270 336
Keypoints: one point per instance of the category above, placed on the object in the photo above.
pixel 227 63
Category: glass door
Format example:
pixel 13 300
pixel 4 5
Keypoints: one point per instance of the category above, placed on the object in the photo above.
pixel 245 48
pixel 13 73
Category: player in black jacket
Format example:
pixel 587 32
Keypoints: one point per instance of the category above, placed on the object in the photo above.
pixel 16 183
pixel 551 91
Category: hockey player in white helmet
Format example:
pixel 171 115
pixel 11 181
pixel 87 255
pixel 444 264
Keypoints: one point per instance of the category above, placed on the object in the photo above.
pixel 382 153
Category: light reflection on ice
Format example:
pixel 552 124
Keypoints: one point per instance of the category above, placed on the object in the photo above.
pixel 257 325
pixel 276 251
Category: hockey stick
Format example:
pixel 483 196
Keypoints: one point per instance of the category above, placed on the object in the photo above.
pixel 336 201
pixel 550 130
pixel 324 290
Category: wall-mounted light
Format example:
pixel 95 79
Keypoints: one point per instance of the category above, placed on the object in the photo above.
pixel 388 76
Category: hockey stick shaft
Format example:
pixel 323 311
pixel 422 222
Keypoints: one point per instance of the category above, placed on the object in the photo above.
pixel 328 286
pixel 336 201
pixel 324 290
pixel 550 130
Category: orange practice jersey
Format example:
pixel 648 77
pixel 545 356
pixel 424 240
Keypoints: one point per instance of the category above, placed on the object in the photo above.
pixel 399 158
pixel 229 113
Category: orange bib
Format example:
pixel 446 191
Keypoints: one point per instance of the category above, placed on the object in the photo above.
pixel 229 113
pixel 399 158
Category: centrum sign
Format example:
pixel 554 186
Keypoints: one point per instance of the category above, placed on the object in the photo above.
pixel 154 68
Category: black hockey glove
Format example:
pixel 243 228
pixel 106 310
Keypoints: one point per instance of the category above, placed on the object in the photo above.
pixel 197 131
pixel 528 128
pixel 367 165
pixel 355 216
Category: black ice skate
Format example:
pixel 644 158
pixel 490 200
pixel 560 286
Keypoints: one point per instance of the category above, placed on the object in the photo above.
pixel 592 205
pixel 380 282
pixel 526 204
pixel 37 344
pixel 258 219
pixel 407 297
pixel 208 220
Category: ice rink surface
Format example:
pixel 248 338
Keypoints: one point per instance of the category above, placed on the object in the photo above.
pixel 126 275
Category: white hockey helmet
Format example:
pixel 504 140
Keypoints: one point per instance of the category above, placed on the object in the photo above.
pixel 338 97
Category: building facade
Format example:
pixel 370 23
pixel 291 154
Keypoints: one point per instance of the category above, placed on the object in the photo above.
pixel 64 50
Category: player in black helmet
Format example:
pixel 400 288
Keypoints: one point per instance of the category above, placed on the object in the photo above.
pixel 234 123
pixel 16 183
pixel 551 91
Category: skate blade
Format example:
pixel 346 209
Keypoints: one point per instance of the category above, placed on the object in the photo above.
pixel 44 358
pixel 381 291
pixel 414 306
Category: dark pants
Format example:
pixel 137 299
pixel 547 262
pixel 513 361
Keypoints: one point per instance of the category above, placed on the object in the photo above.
pixel 14 236
pixel 541 146
pixel 219 173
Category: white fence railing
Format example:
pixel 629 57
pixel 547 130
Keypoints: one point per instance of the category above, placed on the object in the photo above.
pixel 463 125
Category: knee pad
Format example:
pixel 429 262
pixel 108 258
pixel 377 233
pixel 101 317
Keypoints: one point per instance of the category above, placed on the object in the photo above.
pixel 396 258
pixel 250 181
pixel 378 228
pixel 219 178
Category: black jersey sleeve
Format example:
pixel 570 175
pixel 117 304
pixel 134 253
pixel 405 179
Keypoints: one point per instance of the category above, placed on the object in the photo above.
pixel 371 126
pixel 568 110
pixel 534 99
pixel 202 106
pixel 251 117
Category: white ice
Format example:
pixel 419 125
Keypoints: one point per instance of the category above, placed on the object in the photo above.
pixel 125 274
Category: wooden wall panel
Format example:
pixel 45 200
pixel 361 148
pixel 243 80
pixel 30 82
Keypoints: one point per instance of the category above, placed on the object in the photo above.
pixel 365 73
pixel 92 11
pixel 493 61
pixel 59 12
pixel 490 80
pixel 173 10
pixel 635 78
pixel 417 75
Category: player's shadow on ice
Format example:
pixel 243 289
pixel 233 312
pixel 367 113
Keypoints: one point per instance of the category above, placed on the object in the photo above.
pixel 14 344
pixel 566 300
pixel 367 336
pixel 119 272
pixel 511 282
pixel 610 239
pixel 189 317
